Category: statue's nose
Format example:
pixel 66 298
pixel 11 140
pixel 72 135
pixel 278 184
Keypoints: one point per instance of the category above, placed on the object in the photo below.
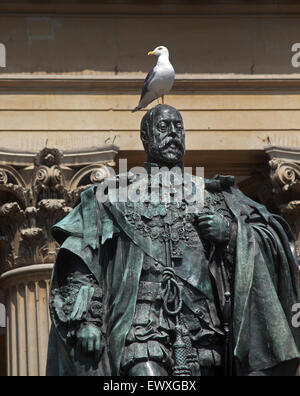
pixel 173 128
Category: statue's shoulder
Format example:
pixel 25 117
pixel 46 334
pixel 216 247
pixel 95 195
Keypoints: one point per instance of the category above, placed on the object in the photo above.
pixel 114 188
pixel 120 179
pixel 219 183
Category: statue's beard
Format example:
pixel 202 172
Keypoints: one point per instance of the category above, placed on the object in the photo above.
pixel 170 150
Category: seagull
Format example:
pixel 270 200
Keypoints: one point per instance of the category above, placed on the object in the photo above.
pixel 159 80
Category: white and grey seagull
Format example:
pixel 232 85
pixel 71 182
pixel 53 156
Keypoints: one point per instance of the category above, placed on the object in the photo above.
pixel 159 80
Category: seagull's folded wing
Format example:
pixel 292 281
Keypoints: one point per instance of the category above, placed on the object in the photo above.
pixel 147 82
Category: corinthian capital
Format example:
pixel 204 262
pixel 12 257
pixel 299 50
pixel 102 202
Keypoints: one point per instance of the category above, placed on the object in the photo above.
pixel 38 190
pixel 285 178
pixel 285 173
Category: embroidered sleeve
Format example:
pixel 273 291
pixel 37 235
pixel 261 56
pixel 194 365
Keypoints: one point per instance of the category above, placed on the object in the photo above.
pixel 77 300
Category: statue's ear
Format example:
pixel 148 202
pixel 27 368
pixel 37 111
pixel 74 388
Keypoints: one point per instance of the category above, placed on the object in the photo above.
pixel 144 137
pixel 145 129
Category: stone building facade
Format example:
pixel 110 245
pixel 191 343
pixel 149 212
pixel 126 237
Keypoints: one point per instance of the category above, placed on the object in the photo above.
pixel 73 72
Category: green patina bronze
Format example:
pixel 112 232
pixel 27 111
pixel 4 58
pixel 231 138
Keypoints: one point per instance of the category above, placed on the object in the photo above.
pixel 155 288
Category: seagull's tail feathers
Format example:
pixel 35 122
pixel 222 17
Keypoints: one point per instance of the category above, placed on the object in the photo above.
pixel 145 101
pixel 136 109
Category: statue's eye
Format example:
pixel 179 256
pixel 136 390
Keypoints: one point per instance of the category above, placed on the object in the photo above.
pixel 179 125
pixel 162 125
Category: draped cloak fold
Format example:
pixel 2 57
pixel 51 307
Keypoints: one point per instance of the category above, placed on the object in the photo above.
pixel 265 277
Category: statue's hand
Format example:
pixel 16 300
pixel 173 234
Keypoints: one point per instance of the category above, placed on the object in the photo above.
pixel 89 339
pixel 214 227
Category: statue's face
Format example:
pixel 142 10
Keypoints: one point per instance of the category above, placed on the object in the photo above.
pixel 167 139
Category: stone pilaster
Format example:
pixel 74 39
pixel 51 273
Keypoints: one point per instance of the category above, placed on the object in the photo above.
pixel 36 191
pixel 285 178
pixel 28 321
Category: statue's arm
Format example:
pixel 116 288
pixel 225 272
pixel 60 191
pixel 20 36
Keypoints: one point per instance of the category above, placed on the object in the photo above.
pixel 222 231
pixel 76 305
pixel 216 228
pixel 76 291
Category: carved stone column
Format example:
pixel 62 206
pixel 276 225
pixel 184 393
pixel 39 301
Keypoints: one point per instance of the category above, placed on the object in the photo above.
pixel 285 178
pixel 36 191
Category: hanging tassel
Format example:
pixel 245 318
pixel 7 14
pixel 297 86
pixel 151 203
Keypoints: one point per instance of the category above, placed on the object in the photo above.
pixel 181 367
pixel 191 358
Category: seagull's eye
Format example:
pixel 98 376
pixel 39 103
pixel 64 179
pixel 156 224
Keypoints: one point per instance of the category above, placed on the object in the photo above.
pixel 160 48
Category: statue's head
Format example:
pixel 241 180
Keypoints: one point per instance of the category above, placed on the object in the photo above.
pixel 163 135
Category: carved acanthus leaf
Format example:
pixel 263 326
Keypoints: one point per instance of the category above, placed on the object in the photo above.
pixel 10 209
pixel 51 206
pixel 293 207
pixel 22 194
pixel 31 234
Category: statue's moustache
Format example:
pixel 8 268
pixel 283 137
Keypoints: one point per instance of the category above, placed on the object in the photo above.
pixel 171 140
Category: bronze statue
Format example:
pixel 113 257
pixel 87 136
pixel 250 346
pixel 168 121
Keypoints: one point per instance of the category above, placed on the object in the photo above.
pixel 174 287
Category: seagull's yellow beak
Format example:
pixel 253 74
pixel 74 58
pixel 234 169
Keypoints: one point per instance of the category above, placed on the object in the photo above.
pixel 151 53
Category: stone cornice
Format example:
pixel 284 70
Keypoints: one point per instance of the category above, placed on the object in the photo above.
pixel 81 157
pixel 157 8
pixel 128 85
